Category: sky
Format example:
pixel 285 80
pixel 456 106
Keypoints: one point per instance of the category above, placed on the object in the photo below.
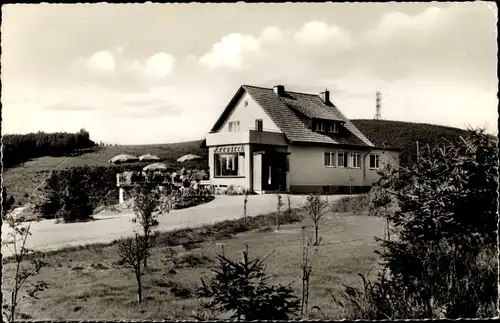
pixel 161 73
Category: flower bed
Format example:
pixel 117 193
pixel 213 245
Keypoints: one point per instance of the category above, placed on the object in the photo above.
pixel 189 201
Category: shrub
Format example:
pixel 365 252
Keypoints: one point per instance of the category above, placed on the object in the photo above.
pixel 98 182
pixel 235 190
pixel 74 200
pixel 358 204
pixel 242 288
pixel 7 202
pixel 442 262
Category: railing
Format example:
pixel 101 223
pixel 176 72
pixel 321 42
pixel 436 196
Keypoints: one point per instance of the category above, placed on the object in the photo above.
pixel 137 180
pixel 248 136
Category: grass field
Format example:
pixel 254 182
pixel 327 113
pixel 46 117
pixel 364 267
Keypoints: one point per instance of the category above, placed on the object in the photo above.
pixel 86 283
pixel 20 181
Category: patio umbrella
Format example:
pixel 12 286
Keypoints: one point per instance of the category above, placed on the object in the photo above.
pixel 187 157
pixel 155 166
pixel 123 158
pixel 148 157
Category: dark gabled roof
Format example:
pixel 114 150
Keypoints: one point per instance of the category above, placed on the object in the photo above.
pixel 281 111
pixel 312 106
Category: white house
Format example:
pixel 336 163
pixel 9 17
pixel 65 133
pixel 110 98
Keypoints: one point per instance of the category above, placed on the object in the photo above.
pixel 270 139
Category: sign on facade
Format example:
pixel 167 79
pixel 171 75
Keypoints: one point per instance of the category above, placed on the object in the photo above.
pixel 230 149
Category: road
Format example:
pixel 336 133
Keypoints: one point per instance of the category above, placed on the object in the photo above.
pixel 47 235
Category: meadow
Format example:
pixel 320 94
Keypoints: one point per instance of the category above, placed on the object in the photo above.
pixel 87 282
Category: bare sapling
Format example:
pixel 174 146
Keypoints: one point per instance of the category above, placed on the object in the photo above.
pixel 245 201
pixel 306 271
pixel 289 210
pixel 146 205
pixel 316 208
pixel 27 266
pixel 279 208
pixel 132 252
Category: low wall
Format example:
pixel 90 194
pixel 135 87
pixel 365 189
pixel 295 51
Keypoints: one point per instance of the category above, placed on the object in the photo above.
pixel 306 189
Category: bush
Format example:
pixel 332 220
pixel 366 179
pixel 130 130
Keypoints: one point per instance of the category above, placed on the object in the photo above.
pixel 443 261
pixel 242 288
pixel 98 182
pixel 357 204
pixel 7 202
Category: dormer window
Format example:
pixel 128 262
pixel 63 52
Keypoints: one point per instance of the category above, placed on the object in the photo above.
pixel 319 126
pixel 326 126
pixel 333 127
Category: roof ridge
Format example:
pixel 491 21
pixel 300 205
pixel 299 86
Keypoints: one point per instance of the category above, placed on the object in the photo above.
pixel 268 88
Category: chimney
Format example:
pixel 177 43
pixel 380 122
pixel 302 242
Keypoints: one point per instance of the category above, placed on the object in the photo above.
pixel 325 96
pixel 279 90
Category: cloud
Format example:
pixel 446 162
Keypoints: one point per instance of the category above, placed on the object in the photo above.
pixel 159 111
pixel 272 34
pixel 115 69
pixel 397 23
pixel 70 106
pixel 159 65
pixel 229 50
pixel 456 42
pixel 148 106
pixel 281 50
pixel 320 33
pixel 102 61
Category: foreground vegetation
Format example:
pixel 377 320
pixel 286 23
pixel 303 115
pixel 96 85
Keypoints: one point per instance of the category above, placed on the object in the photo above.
pixel 436 226
pixel 440 259
pixel 90 282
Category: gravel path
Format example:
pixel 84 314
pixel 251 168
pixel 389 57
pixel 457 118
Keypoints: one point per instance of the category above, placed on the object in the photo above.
pixel 47 235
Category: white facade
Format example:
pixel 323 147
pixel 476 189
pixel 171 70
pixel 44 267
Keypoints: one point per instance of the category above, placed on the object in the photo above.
pixel 263 159
pixel 307 166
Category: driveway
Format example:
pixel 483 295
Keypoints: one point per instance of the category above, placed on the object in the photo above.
pixel 47 235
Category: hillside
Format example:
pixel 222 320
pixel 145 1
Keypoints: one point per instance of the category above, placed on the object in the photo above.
pixel 23 179
pixel 403 135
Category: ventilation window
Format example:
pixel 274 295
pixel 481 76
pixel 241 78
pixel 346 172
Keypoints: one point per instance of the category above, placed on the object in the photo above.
pixel 246 103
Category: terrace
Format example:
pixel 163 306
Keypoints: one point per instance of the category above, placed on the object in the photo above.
pixel 135 178
pixel 250 136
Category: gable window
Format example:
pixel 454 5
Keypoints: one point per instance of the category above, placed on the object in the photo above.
pixel 374 161
pixel 355 160
pixel 246 103
pixel 341 159
pixel 329 159
pixel 234 126
pixel 230 165
pixel 258 125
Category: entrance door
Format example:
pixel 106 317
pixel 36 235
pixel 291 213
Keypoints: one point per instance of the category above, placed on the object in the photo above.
pixel 257 172
pixel 279 167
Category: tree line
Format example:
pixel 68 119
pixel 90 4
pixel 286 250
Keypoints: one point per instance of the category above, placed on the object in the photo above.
pixel 404 135
pixel 18 148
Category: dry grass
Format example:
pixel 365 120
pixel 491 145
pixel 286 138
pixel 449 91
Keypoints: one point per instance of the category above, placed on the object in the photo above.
pixel 86 283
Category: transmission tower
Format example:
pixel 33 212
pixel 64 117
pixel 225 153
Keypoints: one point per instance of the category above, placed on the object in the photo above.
pixel 378 114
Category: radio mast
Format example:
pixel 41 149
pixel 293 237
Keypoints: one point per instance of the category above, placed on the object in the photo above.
pixel 378 114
